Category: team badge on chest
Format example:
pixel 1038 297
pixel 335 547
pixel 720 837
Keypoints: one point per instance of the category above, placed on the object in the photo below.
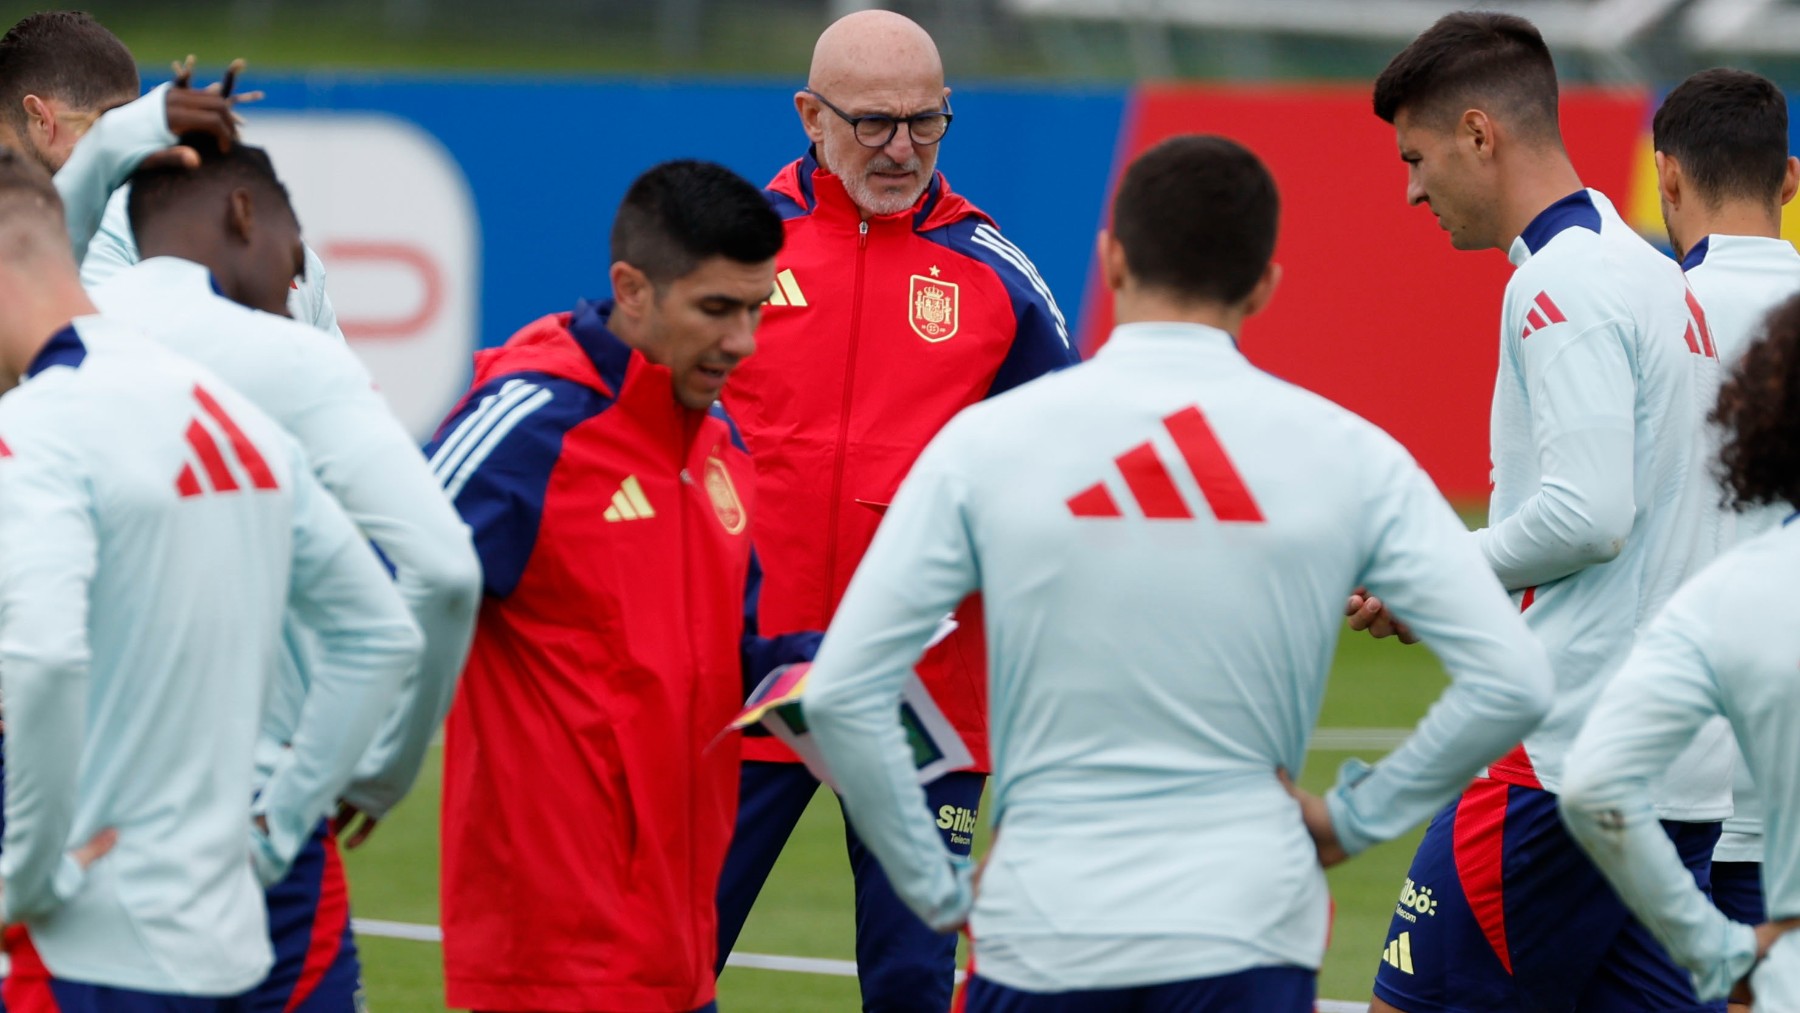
pixel 724 496
pixel 931 305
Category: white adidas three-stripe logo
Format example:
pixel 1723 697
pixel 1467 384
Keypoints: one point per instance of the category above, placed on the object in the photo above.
pixel 470 443
pixel 986 236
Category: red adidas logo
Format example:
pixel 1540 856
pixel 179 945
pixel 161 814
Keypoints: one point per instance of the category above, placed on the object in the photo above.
pixel 1541 315
pixel 1699 335
pixel 1154 488
pixel 211 458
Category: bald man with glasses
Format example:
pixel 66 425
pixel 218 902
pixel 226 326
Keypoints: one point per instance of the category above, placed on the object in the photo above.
pixel 897 304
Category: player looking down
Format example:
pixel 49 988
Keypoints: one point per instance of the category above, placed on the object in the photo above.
pixel 222 244
pixel 1727 644
pixel 1602 506
pixel 1138 746
pixel 154 526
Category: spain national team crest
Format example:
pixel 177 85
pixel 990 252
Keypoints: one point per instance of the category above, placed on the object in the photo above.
pixel 724 497
pixel 932 304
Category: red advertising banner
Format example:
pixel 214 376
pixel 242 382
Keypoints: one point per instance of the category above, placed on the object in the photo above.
pixel 1375 310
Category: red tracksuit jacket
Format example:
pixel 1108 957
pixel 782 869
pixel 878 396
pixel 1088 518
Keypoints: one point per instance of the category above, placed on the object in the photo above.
pixel 879 332
pixel 587 808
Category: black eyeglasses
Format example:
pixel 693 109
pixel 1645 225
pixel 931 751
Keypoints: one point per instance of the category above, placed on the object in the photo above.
pixel 876 131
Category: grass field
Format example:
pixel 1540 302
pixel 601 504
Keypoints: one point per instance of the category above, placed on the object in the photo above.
pixel 807 909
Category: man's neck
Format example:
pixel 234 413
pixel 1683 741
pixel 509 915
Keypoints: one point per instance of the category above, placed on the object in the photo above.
pixel 35 316
pixel 1542 181
pixel 1731 218
pixel 1151 307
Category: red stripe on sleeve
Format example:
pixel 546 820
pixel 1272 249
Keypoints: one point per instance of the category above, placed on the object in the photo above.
pixel 1536 322
pixel 1151 484
pixel 253 462
pixel 187 483
pixel 1219 480
pixel 1549 308
pixel 1700 319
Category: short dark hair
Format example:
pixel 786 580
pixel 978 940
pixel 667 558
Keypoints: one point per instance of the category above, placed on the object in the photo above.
pixel 1729 130
pixel 1197 217
pixel 1759 409
pixel 155 190
pixel 31 213
pixel 65 55
pixel 1473 59
pixel 680 213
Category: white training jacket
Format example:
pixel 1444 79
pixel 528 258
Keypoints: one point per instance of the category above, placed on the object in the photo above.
pixel 154 526
pixel 1164 538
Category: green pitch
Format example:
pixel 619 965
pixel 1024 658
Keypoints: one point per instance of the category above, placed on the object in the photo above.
pixel 806 909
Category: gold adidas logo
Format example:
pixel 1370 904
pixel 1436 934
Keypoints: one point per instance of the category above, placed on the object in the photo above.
pixel 1399 953
pixel 629 504
pixel 787 291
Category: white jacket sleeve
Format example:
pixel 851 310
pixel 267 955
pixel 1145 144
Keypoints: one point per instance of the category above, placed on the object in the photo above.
pixel 920 566
pixel 46 571
pixel 1583 404
pixel 1645 716
pixel 367 645
pixel 309 303
pixel 105 158
pixel 1423 567
pixel 369 463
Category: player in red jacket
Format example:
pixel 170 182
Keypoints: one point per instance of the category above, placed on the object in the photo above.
pixel 897 304
pixel 587 805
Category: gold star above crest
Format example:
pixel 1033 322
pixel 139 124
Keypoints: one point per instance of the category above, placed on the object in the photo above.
pixel 934 271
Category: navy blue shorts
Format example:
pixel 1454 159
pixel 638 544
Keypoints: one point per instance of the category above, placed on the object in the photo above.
pixel 316 970
pixel 1737 890
pixel 29 988
pixel 1263 989
pixel 1502 912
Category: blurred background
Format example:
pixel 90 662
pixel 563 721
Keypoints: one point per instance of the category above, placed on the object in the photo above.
pixel 456 164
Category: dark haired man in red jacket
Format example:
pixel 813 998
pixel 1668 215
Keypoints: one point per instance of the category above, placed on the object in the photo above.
pixel 897 303
pixel 587 805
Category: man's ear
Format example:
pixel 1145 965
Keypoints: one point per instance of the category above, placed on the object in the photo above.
pixel 632 289
pixel 1669 180
pixel 1790 180
pixel 40 120
pixel 1264 290
pixel 810 110
pixel 1475 128
pixel 240 216
pixel 1113 268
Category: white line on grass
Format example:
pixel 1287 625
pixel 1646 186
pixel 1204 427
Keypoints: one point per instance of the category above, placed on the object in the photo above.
pixel 756 961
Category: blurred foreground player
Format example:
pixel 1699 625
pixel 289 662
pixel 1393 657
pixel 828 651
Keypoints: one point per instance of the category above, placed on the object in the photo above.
pixel 1724 173
pixel 1727 644
pixel 223 243
pixel 588 800
pixel 1147 855
pixel 1602 506
pixel 898 304
pixel 153 527
pixel 59 71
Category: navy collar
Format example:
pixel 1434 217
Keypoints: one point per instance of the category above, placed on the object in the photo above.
pixel 609 354
pixel 1791 517
pixel 1577 210
pixel 64 349
pixel 1697 255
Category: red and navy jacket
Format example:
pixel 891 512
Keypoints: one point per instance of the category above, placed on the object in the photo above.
pixel 587 800
pixel 878 333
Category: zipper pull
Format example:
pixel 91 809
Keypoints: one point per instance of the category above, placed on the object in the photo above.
pixel 862 235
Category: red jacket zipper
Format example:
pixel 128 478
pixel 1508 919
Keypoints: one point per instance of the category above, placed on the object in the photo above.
pixel 837 468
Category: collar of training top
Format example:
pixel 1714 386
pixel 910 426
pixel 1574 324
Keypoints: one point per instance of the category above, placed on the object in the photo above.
pixel 1577 210
pixel 609 354
pixel 1696 256
pixel 64 349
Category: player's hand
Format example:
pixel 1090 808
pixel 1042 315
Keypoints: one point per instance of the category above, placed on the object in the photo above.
pixel 96 847
pixel 348 814
pixel 210 111
pixel 1366 612
pixel 1317 817
pixel 1766 935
